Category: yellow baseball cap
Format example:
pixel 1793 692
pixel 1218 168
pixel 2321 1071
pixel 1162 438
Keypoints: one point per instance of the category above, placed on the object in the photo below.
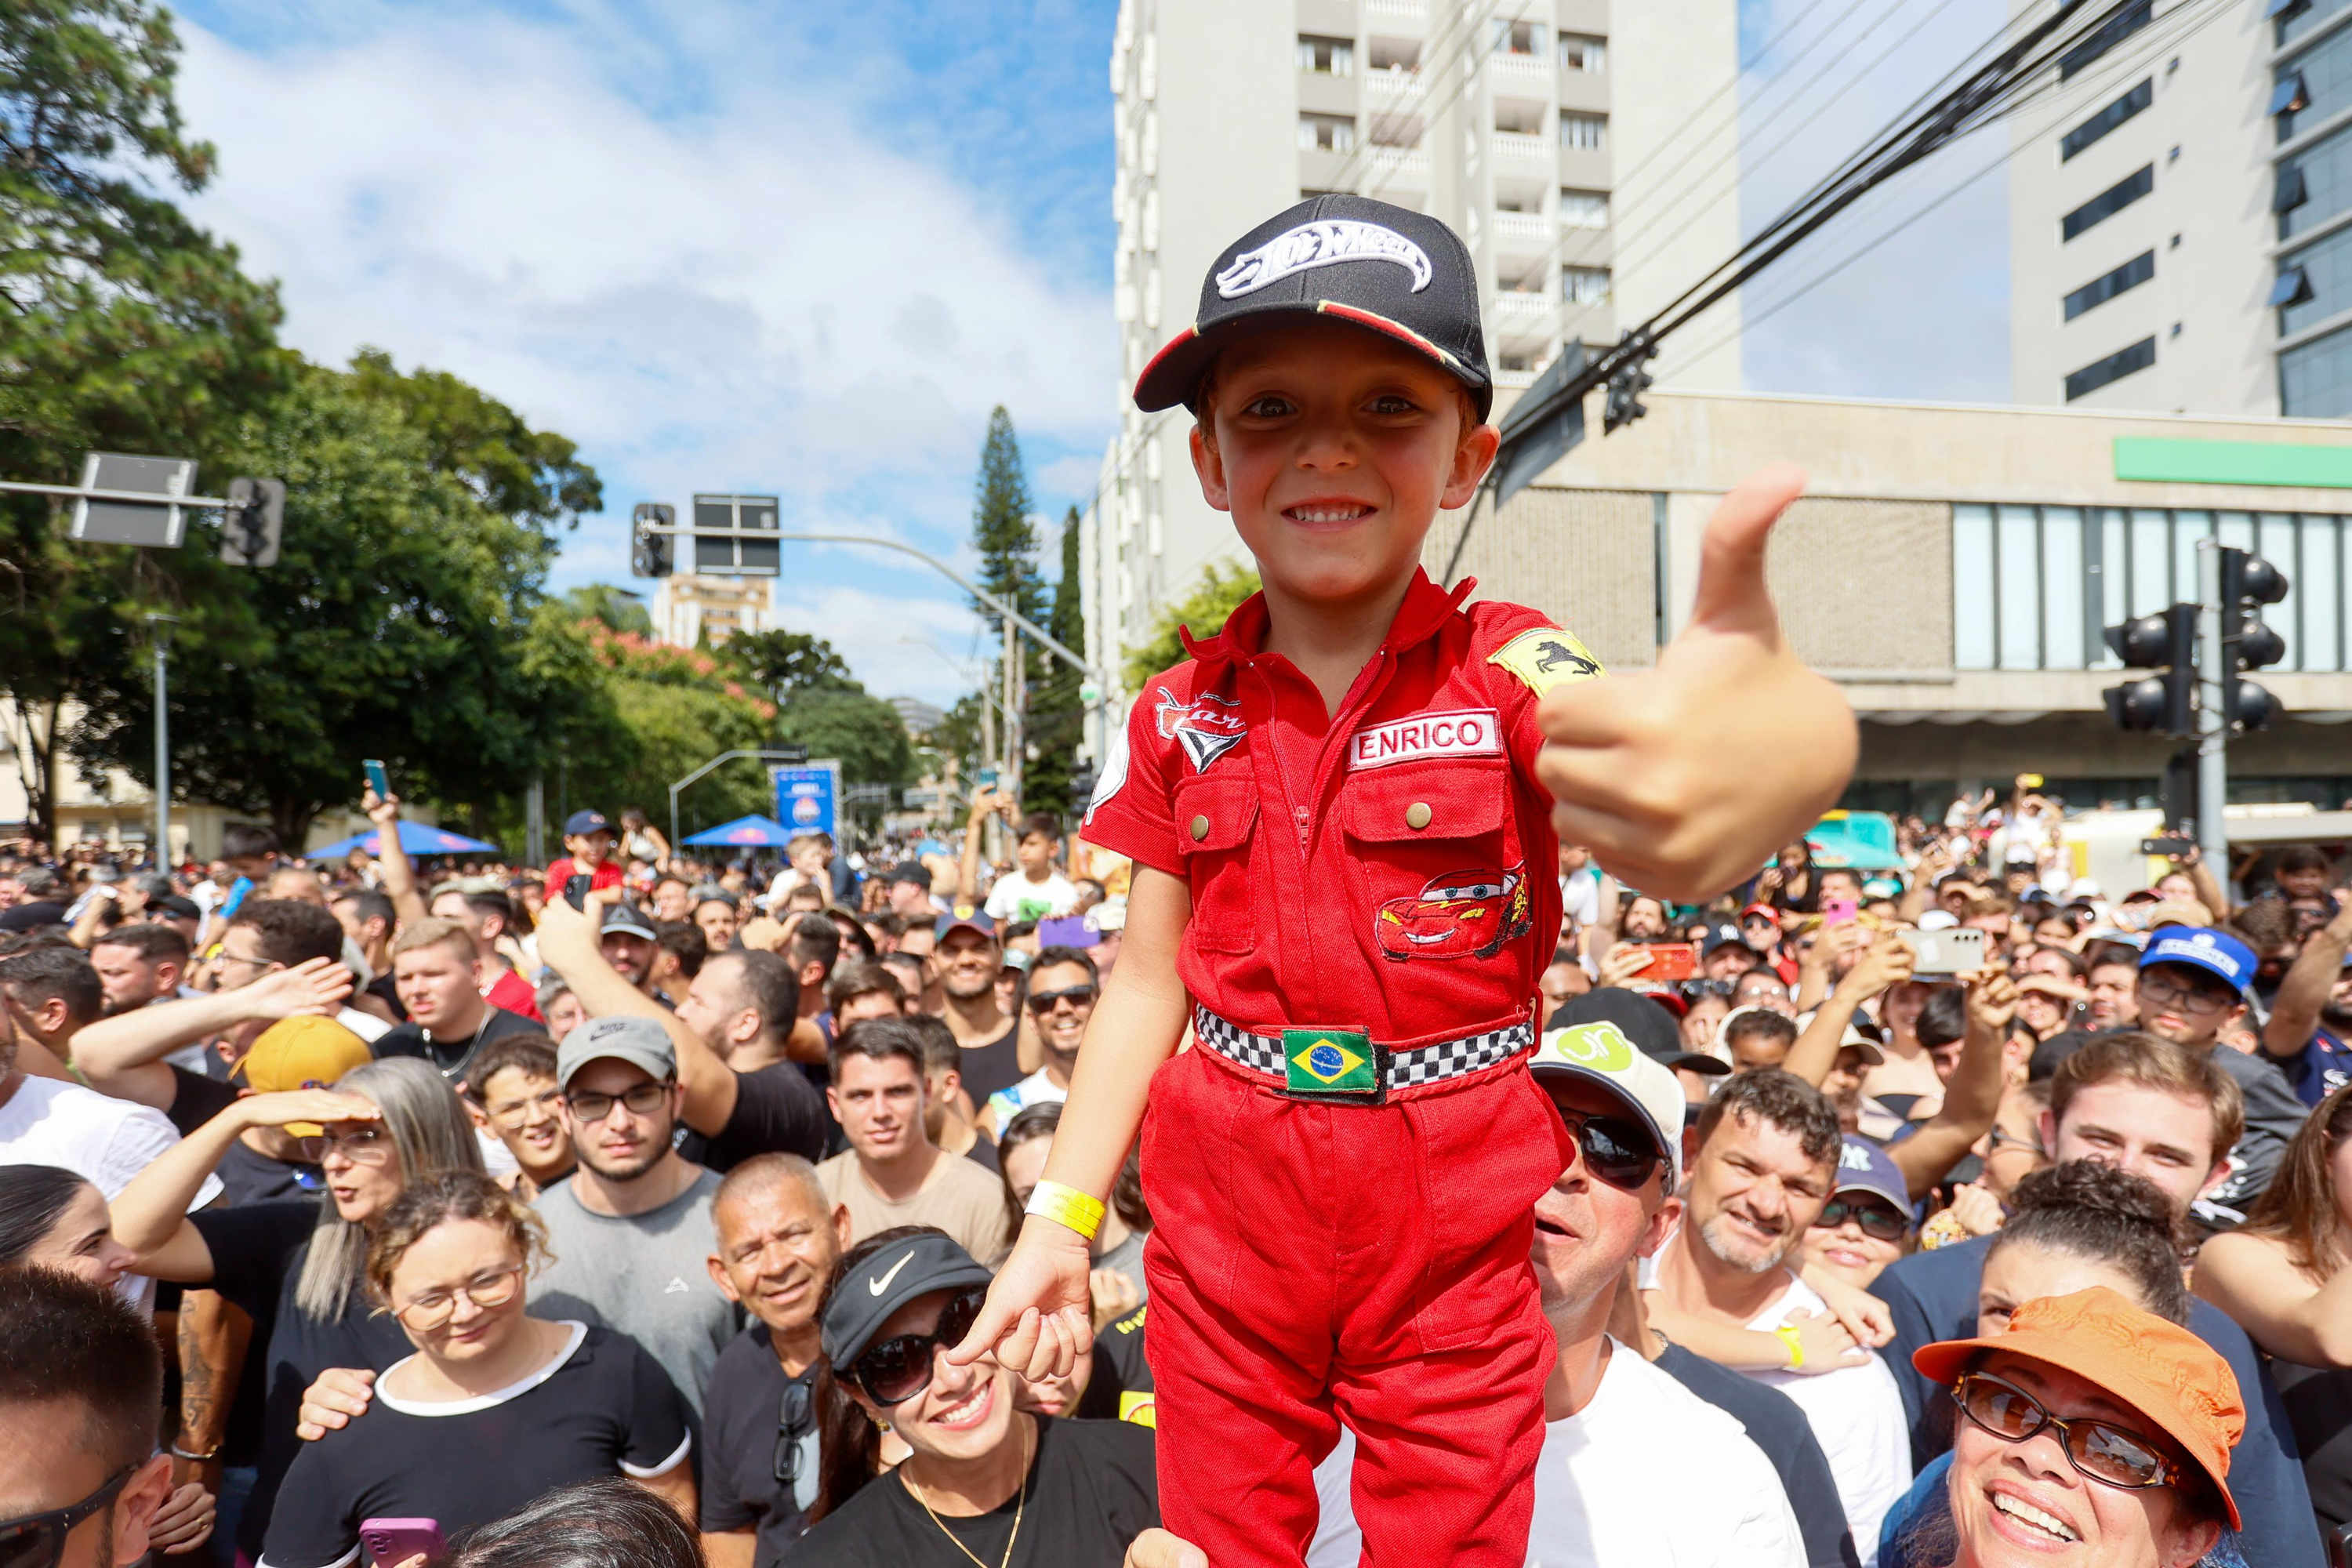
pixel 302 1053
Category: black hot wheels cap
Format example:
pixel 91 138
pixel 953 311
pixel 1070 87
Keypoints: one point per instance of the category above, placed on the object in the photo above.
pixel 1382 268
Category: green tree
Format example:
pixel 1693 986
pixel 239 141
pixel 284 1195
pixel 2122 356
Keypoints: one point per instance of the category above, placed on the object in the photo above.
pixel 784 664
pixel 126 328
pixel 1056 721
pixel 399 622
pixel 618 608
pixel 529 477
pixel 861 730
pixel 1219 592
pixel 1001 531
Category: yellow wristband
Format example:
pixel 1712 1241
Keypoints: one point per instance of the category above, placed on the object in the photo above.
pixel 1786 1334
pixel 1081 1211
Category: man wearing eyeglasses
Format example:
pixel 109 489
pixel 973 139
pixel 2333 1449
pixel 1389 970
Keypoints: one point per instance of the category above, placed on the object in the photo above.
pixel 81 1382
pixel 778 1240
pixel 1062 985
pixel 2191 990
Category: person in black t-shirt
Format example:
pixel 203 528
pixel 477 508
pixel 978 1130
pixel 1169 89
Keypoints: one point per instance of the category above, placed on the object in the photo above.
pixel 983 1480
pixel 969 958
pixel 294 1266
pixel 778 1242
pixel 437 966
pixel 495 1408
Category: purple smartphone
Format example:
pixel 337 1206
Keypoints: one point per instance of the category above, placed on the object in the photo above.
pixel 391 1541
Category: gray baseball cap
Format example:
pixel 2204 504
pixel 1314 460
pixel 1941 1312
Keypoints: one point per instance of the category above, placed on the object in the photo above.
pixel 640 1042
pixel 890 1277
pixel 626 917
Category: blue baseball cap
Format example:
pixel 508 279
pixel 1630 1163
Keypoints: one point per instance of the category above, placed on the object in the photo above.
pixel 2216 952
pixel 581 823
pixel 1864 1166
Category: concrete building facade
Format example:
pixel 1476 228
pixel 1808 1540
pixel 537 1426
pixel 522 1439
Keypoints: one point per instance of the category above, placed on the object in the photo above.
pixel 687 606
pixel 1538 137
pixel 1953 567
pixel 2181 214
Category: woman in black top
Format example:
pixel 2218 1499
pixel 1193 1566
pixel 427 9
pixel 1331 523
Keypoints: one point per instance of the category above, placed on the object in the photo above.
pixel 983 1482
pixel 297 1266
pixel 495 1408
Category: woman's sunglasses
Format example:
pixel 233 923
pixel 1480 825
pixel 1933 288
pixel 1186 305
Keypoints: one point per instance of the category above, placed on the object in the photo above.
pixel 2102 1450
pixel 1879 1222
pixel 897 1369
pixel 38 1540
pixel 1617 1149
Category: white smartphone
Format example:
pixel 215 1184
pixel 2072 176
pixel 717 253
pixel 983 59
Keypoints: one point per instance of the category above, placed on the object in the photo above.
pixel 1956 950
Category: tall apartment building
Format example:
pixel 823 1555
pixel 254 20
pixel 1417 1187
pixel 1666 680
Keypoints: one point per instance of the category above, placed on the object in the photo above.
pixel 1530 127
pixel 2181 214
pixel 686 605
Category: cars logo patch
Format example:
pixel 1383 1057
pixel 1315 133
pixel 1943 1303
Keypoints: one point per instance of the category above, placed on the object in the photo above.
pixel 1462 914
pixel 1207 728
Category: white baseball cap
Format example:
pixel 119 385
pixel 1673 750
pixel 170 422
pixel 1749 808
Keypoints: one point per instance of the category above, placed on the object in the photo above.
pixel 1599 1052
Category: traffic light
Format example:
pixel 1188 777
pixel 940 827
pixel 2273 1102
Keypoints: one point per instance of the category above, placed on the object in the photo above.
pixel 254 523
pixel 650 554
pixel 1625 405
pixel 2248 583
pixel 2166 643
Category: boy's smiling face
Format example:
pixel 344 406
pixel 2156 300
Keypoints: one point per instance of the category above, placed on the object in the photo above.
pixel 1333 447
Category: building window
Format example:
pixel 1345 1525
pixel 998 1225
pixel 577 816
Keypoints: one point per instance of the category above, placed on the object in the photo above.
pixel 2033 587
pixel 1584 209
pixel 2295 18
pixel 2107 203
pixel 1518 38
pixel 2107 285
pixel 1326 133
pixel 1327 57
pixel 1584 285
pixel 2313 185
pixel 2325 270
pixel 2114 368
pixel 2315 380
pixel 2315 88
pixel 1584 132
pixel 2111 32
pixel 2106 120
pixel 1584 52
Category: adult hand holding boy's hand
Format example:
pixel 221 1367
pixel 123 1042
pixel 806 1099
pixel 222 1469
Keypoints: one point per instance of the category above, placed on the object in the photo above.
pixel 1685 778
pixel 1036 1320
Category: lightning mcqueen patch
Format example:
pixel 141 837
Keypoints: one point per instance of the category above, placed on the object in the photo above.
pixel 1207 728
pixel 1462 914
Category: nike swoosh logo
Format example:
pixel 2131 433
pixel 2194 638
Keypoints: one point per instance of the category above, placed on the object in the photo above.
pixel 877 1286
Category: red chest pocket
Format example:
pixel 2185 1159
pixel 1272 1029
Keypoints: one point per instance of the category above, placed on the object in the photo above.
pixel 1216 818
pixel 1436 857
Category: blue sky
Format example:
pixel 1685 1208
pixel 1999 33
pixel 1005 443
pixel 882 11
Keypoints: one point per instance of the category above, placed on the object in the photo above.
pixel 803 249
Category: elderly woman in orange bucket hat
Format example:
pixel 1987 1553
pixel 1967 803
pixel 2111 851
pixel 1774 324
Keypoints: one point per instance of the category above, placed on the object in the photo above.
pixel 2094 1435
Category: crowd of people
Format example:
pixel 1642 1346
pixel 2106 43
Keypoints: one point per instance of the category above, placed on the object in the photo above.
pixel 493 1215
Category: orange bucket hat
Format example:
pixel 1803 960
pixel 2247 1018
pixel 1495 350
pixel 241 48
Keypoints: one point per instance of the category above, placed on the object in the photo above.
pixel 2159 1369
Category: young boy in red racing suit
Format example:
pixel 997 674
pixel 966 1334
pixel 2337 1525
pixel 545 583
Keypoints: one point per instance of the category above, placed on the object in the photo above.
pixel 1342 811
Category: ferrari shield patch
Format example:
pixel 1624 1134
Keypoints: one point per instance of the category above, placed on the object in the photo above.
pixel 1545 658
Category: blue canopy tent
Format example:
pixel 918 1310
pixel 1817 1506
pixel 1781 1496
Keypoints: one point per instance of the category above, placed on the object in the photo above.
pixel 415 838
pixel 754 832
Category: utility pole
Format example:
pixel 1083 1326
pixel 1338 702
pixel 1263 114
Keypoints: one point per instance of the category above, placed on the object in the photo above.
pixel 2212 716
pixel 159 632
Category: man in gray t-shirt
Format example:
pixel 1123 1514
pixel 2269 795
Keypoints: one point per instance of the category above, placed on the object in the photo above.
pixel 643 1275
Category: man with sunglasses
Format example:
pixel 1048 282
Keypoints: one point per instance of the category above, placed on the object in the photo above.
pixel 1063 984
pixel 778 1240
pixel 2191 990
pixel 81 1381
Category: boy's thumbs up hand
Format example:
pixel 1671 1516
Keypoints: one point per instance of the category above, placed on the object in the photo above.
pixel 1683 779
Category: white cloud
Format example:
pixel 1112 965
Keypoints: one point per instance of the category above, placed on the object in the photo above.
pixel 758 295
pixel 900 646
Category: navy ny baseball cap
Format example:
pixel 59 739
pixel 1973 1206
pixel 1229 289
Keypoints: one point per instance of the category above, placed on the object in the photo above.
pixel 1391 270
pixel 2201 947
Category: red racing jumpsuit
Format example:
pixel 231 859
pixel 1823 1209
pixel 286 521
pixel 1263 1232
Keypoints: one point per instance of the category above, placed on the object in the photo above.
pixel 1382 884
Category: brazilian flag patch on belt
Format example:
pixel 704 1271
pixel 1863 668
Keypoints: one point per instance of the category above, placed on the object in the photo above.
pixel 1329 1061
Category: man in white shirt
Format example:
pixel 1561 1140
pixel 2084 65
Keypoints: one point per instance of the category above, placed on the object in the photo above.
pixel 1635 1469
pixel 1062 985
pixel 1767 1161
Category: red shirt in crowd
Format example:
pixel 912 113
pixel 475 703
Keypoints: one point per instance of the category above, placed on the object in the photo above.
pixel 1388 868
pixel 607 874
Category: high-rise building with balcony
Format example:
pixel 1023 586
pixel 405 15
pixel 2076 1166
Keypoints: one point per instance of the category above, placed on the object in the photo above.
pixel 687 607
pixel 1539 130
pixel 2180 226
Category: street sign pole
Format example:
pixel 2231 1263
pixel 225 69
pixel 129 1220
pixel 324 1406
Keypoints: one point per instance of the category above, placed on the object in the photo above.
pixel 2213 722
pixel 159 627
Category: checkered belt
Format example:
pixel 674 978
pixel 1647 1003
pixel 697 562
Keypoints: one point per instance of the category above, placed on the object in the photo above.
pixel 1433 1063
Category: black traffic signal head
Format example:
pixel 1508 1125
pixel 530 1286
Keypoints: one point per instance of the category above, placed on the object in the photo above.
pixel 2249 707
pixel 2166 643
pixel 2259 581
pixel 2248 583
pixel 2137 704
pixel 254 523
pixel 650 554
pixel 2142 644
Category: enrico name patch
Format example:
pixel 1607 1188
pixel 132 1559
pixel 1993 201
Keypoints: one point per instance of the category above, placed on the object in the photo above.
pixel 1474 734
